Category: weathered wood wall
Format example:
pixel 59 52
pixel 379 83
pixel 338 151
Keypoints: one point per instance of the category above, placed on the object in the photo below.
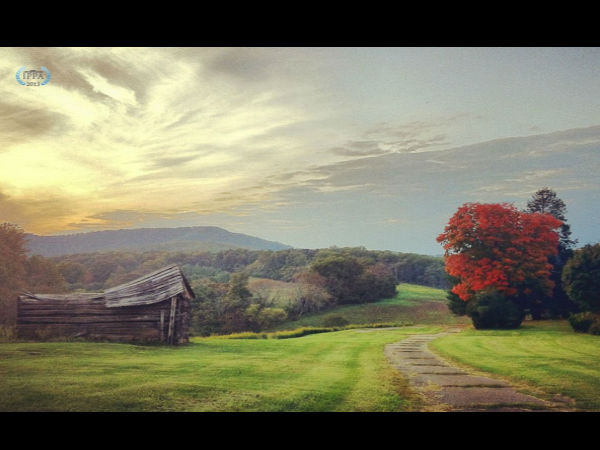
pixel 40 318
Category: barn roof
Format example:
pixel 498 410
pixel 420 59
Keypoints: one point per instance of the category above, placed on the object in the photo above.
pixel 151 288
pixel 71 298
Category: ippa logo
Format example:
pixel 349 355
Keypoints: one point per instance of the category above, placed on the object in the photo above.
pixel 33 77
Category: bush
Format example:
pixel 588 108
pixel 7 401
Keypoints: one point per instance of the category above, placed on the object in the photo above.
pixel 595 327
pixel 7 333
pixel 334 321
pixel 300 332
pixel 582 321
pixel 456 306
pixel 246 335
pixel 492 310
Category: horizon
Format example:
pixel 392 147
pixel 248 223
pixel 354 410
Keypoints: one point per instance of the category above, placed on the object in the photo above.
pixel 309 147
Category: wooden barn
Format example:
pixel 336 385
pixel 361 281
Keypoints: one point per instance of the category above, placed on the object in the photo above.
pixel 152 308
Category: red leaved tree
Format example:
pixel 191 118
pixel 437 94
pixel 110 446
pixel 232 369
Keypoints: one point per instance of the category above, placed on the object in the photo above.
pixel 496 246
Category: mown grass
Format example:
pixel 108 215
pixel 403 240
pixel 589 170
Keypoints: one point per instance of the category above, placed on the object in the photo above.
pixel 336 371
pixel 546 357
pixel 413 304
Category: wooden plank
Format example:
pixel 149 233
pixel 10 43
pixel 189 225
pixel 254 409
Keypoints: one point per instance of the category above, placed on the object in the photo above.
pixel 89 319
pixel 83 312
pixel 141 327
pixel 162 326
pixel 72 330
pixel 172 320
pixel 85 308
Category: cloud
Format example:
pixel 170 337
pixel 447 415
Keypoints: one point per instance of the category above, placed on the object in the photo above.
pixel 117 219
pixel 71 68
pixel 22 122
pixel 385 138
pixel 138 136
pixel 39 211
pixel 499 170
pixel 172 161
pixel 243 64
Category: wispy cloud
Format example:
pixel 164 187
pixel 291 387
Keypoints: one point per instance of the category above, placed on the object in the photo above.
pixel 263 137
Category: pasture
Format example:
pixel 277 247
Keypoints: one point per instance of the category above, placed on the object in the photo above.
pixel 413 304
pixel 331 371
pixel 338 371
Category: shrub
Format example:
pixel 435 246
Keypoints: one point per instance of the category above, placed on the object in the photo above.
pixel 595 327
pixel 246 335
pixel 582 321
pixel 300 332
pixel 334 321
pixel 7 333
pixel 492 310
pixel 456 306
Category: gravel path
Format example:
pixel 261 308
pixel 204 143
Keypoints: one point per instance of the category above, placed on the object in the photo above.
pixel 445 387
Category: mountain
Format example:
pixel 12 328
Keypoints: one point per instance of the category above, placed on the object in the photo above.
pixel 142 239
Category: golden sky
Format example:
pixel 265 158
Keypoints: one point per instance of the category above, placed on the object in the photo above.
pixel 156 131
pixel 284 143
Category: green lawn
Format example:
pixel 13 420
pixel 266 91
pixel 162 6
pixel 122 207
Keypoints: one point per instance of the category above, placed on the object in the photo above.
pixel 338 371
pixel 413 304
pixel 547 357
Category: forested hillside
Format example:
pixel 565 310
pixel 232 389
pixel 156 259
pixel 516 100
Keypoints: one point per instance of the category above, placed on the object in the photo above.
pixel 249 290
pixel 96 271
pixel 145 239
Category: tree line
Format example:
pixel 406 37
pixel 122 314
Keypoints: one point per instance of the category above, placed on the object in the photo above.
pixel 284 284
pixel 94 271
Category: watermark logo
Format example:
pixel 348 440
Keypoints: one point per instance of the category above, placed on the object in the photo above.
pixel 33 77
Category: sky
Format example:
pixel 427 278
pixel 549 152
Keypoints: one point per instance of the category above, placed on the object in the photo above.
pixel 312 147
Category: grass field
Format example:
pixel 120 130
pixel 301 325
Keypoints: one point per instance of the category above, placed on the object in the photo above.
pixel 412 304
pixel 339 371
pixel 333 371
pixel 548 358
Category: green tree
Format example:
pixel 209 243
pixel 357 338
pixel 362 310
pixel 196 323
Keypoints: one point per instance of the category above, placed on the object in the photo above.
pixel 205 311
pixel 101 269
pixel 342 277
pixel 72 272
pixel 546 201
pixel 309 295
pixel 235 303
pixel 489 309
pixel 558 304
pixel 261 317
pixel 456 305
pixel 43 276
pixel 581 278
pixel 12 270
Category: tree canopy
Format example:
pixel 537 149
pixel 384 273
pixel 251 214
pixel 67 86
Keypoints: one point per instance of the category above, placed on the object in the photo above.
pixel 496 246
pixel 581 278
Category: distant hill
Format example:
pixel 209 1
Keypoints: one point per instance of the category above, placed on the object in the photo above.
pixel 142 239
